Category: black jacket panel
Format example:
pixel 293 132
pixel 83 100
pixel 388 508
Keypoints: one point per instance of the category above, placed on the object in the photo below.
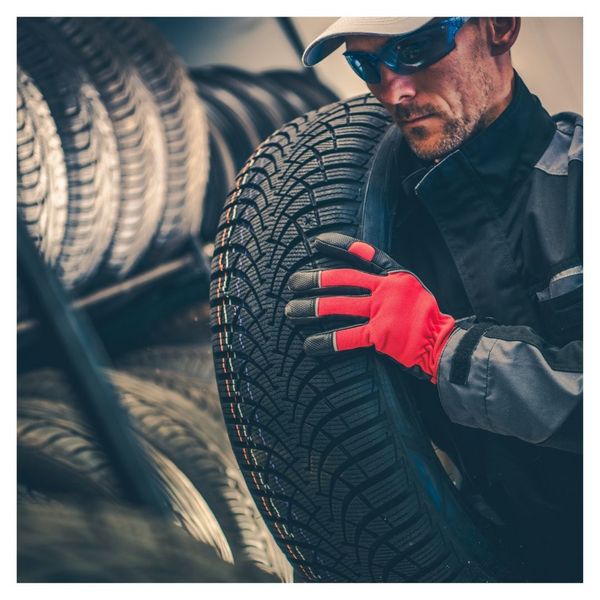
pixel 494 231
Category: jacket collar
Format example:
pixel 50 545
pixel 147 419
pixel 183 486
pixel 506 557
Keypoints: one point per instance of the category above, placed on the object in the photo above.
pixel 504 153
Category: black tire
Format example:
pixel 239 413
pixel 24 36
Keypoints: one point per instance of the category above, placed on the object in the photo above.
pixel 295 100
pixel 233 138
pixel 230 115
pixel 141 141
pixel 179 430
pixel 332 449
pixel 222 175
pixel 264 91
pixel 102 543
pixel 89 146
pixel 273 104
pixel 190 360
pixel 57 453
pixel 315 93
pixel 185 125
pixel 203 394
pixel 41 172
pixel 266 113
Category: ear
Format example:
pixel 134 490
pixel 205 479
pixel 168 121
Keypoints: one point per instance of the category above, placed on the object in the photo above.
pixel 503 33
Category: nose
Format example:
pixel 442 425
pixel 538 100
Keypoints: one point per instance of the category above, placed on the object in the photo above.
pixel 394 88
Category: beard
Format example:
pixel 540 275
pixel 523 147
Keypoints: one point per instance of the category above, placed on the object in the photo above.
pixel 429 146
pixel 474 88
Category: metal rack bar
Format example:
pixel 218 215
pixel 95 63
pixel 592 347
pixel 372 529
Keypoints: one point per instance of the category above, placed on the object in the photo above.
pixel 288 27
pixel 132 285
pixel 84 358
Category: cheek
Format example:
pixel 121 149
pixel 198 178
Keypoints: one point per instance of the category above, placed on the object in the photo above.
pixel 450 90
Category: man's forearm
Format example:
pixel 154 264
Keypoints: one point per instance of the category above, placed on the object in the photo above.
pixel 510 381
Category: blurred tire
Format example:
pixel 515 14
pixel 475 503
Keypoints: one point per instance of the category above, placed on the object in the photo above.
pixel 42 195
pixel 90 152
pixel 261 90
pixel 291 96
pixel 102 542
pixel 141 142
pixel 185 125
pixel 230 115
pixel 264 110
pixel 41 172
pixel 315 93
pixel 183 432
pixel 190 360
pixel 222 175
pixel 57 453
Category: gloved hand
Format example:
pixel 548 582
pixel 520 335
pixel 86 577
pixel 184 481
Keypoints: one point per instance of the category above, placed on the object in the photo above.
pixel 404 320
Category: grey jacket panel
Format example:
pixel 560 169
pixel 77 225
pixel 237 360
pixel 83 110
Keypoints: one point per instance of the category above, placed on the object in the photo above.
pixel 566 145
pixel 516 387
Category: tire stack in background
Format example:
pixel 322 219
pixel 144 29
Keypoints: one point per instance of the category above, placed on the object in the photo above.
pixel 243 110
pixel 135 146
pixel 124 161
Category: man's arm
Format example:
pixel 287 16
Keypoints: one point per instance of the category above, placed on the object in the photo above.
pixel 505 379
pixel 510 381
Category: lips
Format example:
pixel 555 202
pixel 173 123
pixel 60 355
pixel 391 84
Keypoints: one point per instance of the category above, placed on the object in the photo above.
pixel 416 120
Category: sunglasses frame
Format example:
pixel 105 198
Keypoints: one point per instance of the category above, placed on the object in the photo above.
pixel 389 57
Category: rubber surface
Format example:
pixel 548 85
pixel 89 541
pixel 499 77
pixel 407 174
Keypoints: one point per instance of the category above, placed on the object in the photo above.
pixel 186 436
pixel 89 146
pixel 246 107
pixel 42 197
pixel 330 448
pixel 141 142
pixel 101 542
pixel 57 452
pixel 41 171
pixel 222 173
pixel 313 92
pixel 185 126
pixel 269 108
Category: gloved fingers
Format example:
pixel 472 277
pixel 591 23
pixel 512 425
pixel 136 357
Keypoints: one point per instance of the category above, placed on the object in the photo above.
pixel 303 281
pixel 329 342
pixel 310 309
pixel 359 253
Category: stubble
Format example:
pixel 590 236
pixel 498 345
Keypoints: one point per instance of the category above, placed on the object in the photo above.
pixel 473 87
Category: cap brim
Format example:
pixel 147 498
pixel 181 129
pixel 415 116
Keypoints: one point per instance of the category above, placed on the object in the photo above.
pixel 333 37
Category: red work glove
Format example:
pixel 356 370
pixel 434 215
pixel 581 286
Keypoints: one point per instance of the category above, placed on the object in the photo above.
pixel 404 321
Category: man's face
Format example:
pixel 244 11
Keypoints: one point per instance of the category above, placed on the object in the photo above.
pixel 453 97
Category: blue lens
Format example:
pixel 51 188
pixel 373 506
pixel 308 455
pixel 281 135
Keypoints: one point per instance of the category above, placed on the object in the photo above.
pixel 409 53
pixel 364 66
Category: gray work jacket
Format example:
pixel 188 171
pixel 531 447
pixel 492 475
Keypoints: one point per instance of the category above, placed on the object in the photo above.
pixel 495 232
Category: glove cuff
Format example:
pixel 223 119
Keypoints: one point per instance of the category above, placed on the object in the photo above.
pixel 445 326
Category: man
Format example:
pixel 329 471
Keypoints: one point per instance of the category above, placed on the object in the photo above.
pixel 481 293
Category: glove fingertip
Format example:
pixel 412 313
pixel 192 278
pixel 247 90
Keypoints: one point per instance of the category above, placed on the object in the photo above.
pixel 320 344
pixel 301 308
pixel 333 239
pixel 303 280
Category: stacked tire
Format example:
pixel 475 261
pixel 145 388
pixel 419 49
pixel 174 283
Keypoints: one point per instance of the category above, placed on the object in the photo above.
pixel 245 108
pixel 176 415
pixel 113 147
pixel 123 158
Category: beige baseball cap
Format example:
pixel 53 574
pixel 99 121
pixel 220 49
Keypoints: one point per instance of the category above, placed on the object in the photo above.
pixel 334 35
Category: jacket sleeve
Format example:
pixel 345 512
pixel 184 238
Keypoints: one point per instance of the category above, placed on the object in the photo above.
pixel 510 381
